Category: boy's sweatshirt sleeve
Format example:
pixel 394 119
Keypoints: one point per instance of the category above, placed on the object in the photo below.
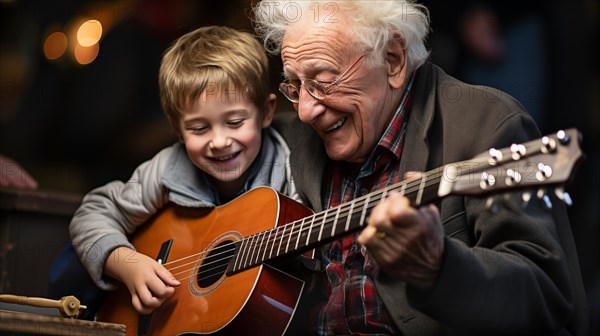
pixel 110 213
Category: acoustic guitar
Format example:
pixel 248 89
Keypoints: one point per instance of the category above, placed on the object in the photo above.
pixel 220 254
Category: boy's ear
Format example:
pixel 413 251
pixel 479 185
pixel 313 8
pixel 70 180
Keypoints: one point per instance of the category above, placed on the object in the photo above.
pixel 269 110
pixel 395 60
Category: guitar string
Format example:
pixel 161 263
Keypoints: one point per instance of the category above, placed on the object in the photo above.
pixel 288 229
pixel 285 233
pixel 319 215
pixel 206 273
pixel 424 180
pixel 325 213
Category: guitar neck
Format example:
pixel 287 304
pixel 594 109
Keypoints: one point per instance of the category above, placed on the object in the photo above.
pixel 549 160
pixel 325 226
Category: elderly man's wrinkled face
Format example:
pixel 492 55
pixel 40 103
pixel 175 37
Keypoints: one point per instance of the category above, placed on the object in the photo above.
pixel 356 111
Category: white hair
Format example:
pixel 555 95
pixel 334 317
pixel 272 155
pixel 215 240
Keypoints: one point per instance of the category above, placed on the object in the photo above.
pixel 376 23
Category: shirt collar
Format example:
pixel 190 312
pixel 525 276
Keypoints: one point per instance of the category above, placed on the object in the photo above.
pixel 393 136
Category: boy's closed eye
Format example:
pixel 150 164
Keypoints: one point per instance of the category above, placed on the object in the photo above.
pixel 235 123
pixel 198 129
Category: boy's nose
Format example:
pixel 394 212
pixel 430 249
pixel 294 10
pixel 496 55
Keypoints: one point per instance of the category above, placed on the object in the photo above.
pixel 220 140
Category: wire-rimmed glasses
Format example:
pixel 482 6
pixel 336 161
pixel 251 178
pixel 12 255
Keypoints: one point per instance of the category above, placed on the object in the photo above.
pixel 317 89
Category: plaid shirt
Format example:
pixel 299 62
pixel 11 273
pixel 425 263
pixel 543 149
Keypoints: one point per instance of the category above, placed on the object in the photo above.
pixel 354 308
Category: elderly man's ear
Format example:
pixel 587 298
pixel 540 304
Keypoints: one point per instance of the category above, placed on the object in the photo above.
pixel 396 62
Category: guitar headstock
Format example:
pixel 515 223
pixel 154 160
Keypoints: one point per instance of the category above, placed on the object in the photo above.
pixel 549 160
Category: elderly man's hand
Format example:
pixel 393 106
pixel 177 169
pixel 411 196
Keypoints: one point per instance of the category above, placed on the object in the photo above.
pixel 406 242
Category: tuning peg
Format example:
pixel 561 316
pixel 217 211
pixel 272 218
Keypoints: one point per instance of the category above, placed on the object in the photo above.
pixel 517 151
pixel 495 156
pixel 548 145
pixel 543 173
pixel 563 137
pixel 491 205
pixel 541 195
pixel 512 177
pixel 563 196
pixel 525 197
pixel 487 180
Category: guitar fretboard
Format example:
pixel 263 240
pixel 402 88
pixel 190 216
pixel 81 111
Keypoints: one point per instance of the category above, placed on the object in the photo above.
pixel 327 225
pixel 545 161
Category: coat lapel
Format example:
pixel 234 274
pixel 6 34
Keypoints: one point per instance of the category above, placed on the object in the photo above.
pixel 414 158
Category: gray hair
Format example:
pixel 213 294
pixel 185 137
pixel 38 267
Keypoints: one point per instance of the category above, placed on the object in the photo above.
pixel 377 22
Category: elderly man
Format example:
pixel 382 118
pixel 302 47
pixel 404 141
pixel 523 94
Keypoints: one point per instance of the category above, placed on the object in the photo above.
pixel 357 74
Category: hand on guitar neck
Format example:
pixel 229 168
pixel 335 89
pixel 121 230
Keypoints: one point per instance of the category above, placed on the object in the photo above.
pixel 149 283
pixel 398 234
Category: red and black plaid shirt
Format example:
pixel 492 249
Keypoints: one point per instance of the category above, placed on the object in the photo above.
pixel 354 307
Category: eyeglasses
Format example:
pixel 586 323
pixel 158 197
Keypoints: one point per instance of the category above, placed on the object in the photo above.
pixel 317 89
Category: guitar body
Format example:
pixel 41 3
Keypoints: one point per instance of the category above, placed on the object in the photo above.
pixel 260 300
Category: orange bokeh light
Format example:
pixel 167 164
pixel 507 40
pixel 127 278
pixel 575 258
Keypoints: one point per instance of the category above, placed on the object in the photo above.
pixel 86 55
pixel 89 33
pixel 55 45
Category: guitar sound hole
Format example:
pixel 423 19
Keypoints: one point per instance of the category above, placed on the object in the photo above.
pixel 215 264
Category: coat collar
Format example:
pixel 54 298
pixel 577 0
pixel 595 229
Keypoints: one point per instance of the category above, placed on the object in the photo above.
pixel 416 148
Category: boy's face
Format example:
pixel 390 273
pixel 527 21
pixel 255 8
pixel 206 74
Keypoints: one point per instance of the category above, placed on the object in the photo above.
pixel 222 135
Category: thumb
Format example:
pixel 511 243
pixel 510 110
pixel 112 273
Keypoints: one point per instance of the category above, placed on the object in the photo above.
pixel 167 277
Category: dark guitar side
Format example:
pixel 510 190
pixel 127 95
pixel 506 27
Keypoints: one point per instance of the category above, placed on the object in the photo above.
pixel 260 300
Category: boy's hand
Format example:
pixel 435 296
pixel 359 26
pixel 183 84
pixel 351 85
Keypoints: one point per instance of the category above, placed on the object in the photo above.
pixel 149 283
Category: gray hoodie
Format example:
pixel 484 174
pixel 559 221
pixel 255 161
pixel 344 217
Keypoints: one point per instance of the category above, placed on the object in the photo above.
pixel 111 212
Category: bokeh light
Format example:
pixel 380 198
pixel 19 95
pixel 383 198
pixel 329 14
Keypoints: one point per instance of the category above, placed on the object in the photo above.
pixel 89 33
pixel 55 45
pixel 86 55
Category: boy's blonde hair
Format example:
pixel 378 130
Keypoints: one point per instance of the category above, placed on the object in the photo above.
pixel 212 60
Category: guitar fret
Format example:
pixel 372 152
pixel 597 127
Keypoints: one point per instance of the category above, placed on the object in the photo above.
pixel 273 243
pixel 312 222
pixel 349 216
pixel 287 246
pixel 403 189
pixel 299 234
pixel 255 246
pixel 364 211
pixel 322 225
pixel 253 250
pixel 280 241
pixel 337 215
pixel 383 195
pixel 246 252
pixel 237 265
pixel 260 245
pixel 266 244
pixel 421 188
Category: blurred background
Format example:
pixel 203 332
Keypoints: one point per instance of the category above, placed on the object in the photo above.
pixel 79 102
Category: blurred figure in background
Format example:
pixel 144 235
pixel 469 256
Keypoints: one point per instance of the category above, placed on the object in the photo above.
pixel 12 175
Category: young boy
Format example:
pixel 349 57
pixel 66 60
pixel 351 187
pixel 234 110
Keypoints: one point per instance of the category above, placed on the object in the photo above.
pixel 214 91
